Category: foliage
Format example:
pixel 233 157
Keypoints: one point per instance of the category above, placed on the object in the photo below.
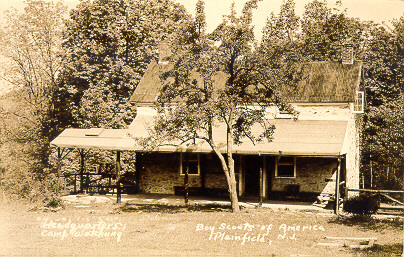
pixel 281 49
pixel 85 77
pixel 31 44
pixel 22 185
pixel 324 32
pixel 31 47
pixel 281 37
pixel 108 45
pixel 384 117
pixel 192 104
pixel 363 204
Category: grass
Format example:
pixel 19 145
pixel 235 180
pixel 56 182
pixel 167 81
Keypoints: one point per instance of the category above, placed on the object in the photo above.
pixel 200 230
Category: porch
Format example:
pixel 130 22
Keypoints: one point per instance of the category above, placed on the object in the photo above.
pixel 304 158
pixel 82 201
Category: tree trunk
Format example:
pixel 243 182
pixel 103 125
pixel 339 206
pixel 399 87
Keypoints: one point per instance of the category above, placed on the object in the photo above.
pixel 233 194
pixel 230 163
pixel 231 181
pixel 228 168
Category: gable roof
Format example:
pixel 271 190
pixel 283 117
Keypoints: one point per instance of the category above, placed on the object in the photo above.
pixel 327 82
pixel 324 82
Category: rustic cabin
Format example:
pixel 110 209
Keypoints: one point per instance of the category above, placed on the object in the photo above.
pixel 306 160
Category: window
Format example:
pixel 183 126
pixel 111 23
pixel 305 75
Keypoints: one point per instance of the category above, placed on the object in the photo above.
pixel 359 102
pixel 347 54
pixel 285 167
pixel 191 162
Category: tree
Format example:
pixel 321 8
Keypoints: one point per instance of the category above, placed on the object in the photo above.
pixel 108 45
pixel 383 121
pixel 203 108
pixel 326 30
pixel 31 44
pixel 282 46
pixel 29 114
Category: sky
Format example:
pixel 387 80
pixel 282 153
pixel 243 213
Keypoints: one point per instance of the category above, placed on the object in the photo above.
pixel 376 10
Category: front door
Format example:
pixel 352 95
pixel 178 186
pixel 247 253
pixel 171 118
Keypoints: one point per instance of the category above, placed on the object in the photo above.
pixel 252 165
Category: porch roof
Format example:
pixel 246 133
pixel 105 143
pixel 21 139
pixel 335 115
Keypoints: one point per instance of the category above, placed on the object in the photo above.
pixel 303 138
pixel 105 139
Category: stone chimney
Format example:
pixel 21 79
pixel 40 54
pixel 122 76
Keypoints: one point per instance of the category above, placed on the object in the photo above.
pixel 164 52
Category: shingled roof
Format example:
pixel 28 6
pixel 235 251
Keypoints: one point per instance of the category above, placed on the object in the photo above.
pixel 325 82
pixel 302 137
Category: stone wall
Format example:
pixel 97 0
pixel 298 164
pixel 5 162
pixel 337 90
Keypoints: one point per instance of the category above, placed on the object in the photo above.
pixel 160 172
pixel 351 148
pixel 312 174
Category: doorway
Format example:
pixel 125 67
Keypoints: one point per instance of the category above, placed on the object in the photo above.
pixel 252 165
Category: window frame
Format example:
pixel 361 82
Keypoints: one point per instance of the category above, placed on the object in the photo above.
pixel 359 104
pixel 278 163
pixel 198 160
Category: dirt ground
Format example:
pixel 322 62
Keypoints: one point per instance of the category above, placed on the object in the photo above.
pixel 108 229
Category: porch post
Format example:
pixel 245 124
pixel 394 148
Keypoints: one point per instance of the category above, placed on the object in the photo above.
pixel 82 163
pixel 265 178
pixel 241 177
pixel 186 185
pixel 337 193
pixel 138 168
pixel 118 170
pixel 58 169
pixel 261 183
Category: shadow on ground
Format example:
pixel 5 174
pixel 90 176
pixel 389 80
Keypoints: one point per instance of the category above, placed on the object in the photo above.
pixel 369 223
pixel 381 250
pixel 165 208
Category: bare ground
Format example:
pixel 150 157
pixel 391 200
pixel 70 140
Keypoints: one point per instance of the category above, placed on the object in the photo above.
pixel 106 229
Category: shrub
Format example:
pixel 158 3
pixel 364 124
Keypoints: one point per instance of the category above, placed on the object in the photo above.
pixel 364 204
pixel 26 186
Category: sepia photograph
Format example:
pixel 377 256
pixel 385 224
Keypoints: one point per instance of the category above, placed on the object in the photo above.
pixel 201 128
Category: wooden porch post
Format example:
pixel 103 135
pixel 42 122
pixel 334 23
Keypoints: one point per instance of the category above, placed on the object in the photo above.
pixel 241 177
pixel 186 185
pixel 337 193
pixel 261 183
pixel 82 163
pixel 58 169
pixel 118 177
pixel 265 178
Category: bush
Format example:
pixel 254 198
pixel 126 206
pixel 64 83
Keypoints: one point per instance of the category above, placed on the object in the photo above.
pixel 26 186
pixel 364 204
